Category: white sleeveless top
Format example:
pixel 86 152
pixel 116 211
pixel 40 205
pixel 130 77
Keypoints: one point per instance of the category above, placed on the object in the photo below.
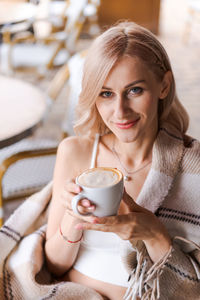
pixel 99 256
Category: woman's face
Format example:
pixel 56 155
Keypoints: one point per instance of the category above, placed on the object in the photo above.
pixel 129 99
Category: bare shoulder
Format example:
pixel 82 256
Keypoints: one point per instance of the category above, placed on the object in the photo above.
pixel 75 145
pixel 75 152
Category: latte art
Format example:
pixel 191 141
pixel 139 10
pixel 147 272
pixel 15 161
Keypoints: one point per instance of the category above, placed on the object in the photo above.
pixel 99 177
pixel 104 187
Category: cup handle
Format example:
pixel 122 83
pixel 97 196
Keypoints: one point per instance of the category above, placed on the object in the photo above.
pixel 74 205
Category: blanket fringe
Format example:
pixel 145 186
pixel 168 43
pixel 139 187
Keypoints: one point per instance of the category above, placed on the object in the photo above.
pixel 145 284
pixel 139 285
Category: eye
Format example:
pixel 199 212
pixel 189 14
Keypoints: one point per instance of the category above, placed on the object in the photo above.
pixel 135 90
pixel 105 94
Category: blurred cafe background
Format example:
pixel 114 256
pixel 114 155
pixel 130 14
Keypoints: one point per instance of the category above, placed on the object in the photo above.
pixel 42 48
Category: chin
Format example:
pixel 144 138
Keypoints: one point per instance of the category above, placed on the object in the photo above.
pixel 126 137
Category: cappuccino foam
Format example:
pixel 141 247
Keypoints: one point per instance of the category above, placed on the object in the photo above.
pixel 98 178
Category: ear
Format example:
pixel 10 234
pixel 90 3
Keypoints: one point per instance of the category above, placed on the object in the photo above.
pixel 165 86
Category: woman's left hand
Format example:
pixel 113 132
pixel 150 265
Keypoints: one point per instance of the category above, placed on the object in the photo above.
pixel 139 224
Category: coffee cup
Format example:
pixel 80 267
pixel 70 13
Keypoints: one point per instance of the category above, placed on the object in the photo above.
pixel 104 187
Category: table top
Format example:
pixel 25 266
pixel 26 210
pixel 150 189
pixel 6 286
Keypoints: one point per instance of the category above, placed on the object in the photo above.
pixel 22 109
pixel 14 12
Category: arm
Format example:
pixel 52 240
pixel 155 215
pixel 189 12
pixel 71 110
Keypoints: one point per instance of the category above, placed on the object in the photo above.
pixel 161 267
pixel 66 169
pixel 137 223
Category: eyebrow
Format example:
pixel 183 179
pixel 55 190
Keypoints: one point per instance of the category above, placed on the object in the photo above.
pixel 127 86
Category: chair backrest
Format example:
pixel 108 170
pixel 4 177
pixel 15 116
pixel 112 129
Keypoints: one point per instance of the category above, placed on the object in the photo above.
pixel 75 18
pixel 58 82
pixel 59 8
pixel 74 23
pixel 75 65
pixel 91 26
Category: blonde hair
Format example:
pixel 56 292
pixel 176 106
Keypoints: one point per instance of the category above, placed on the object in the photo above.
pixel 130 39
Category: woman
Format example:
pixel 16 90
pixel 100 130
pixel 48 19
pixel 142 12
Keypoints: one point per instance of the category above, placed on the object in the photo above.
pixel 128 97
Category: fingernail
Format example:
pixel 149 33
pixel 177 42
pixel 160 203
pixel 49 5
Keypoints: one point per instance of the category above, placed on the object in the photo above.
pixel 95 221
pixel 91 207
pixel 85 203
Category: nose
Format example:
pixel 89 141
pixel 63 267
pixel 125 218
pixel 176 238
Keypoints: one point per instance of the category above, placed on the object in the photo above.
pixel 121 107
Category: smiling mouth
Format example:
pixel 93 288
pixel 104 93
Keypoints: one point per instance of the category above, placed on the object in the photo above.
pixel 127 125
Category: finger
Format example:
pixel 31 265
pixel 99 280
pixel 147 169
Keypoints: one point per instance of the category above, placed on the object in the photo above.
pixel 111 220
pixel 70 190
pixel 90 219
pixel 86 209
pixel 86 213
pixel 72 187
pixel 65 198
pixel 82 209
pixel 86 203
pixel 65 203
pixel 91 226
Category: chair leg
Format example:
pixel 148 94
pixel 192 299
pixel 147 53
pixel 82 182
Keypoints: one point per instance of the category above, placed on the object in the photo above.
pixel 51 62
pixel 7 66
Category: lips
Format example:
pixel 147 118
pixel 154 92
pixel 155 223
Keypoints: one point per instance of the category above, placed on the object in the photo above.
pixel 127 125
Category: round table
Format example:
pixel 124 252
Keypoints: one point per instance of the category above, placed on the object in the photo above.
pixel 22 109
pixel 12 12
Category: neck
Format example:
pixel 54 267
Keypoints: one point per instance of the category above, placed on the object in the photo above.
pixel 135 153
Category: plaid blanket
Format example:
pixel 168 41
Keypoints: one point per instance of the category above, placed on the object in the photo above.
pixel 171 191
pixel 23 274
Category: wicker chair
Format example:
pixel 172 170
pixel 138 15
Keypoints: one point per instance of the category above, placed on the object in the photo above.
pixel 55 37
pixel 25 167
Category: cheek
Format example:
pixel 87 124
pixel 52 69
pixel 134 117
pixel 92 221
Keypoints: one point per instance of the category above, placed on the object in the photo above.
pixel 98 106
pixel 147 106
pixel 103 109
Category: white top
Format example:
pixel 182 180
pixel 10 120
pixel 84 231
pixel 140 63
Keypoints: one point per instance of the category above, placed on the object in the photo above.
pixel 99 256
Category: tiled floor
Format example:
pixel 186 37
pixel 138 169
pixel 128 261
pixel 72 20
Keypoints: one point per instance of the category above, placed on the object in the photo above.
pixel 185 63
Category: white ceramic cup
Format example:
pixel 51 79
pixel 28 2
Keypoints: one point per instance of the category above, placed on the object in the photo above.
pixel 105 196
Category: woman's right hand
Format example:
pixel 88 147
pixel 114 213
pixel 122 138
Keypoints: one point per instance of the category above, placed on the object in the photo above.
pixel 85 206
pixel 62 233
